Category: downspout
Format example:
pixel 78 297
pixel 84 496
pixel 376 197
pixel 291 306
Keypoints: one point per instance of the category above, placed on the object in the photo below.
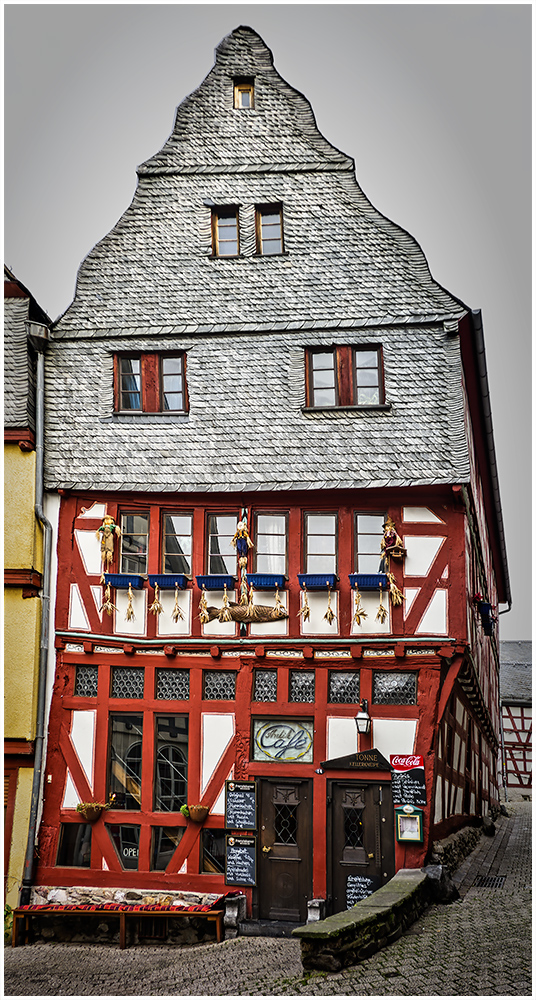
pixel 38 338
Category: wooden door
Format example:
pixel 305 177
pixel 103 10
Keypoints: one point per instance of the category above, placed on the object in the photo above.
pixel 361 842
pixel 285 849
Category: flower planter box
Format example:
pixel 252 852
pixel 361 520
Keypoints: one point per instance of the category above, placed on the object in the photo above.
pixel 317 581
pixel 198 813
pixel 216 582
pixel 265 581
pixel 121 581
pixel 368 581
pixel 167 581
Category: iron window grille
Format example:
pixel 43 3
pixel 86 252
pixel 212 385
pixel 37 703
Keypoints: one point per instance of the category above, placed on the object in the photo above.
pixel 86 681
pixel 390 688
pixel 343 687
pixel 286 824
pixel 219 685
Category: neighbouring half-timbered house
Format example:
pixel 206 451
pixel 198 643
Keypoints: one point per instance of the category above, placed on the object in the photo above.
pixel 516 711
pixel 271 470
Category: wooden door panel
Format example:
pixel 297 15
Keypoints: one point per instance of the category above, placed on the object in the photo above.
pixel 361 852
pixel 284 879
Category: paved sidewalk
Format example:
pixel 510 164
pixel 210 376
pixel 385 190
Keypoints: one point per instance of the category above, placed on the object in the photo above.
pixel 478 946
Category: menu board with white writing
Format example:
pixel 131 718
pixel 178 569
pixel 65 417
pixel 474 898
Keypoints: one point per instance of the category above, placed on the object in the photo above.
pixel 240 805
pixel 409 787
pixel 359 887
pixel 240 860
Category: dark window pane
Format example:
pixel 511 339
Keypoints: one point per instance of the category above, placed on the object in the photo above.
pixel 130 366
pixel 165 841
pixel 75 845
pixel 171 762
pixel 286 824
pixel 126 841
pixel 134 528
pixel 213 851
pixel 126 734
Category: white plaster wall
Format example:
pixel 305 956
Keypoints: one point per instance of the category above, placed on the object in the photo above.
pixel 267 597
pixel 96 510
pixel 166 625
pixel 410 593
pixel 438 810
pixel 421 552
pixel 138 624
pixel 217 730
pixel 341 737
pixel 370 602
pixel 434 619
pixel 78 618
pixel 391 736
pixel 420 514
pixel 459 794
pixel 83 740
pixel 215 600
pixel 71 797
pixel 318 603
pixel 98 598
pixel 90 550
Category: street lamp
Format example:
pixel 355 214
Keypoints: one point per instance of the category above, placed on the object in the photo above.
pixel 362 719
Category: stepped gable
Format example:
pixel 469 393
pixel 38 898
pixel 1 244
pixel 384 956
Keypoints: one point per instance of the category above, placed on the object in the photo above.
pixel 344 263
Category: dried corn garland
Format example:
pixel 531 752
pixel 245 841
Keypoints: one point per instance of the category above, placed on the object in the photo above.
pixel 203 607
pixel 330 615
pixel 177 612
pixel 242 542
pixel 107 603
pixel 225 614
pixel 305 610
pixel 359 612
pixel 130 616
pixel 156 607
pixel 396 595
pixel 382 612
pixel 250 601
pixel 279 606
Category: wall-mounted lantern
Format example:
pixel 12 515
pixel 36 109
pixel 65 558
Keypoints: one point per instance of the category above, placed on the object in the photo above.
pixel 362 719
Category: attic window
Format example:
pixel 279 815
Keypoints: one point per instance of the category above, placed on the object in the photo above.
pixel 269 224
pixel 344 376
pixel 225 240
pixel 244 92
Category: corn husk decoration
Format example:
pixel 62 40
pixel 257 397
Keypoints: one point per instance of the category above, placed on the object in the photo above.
pixel 330 615
pixel 177 613
pixel 156 607
pixel 250 601
pixel 396 595
pixel 203 607
pixel 107 603
pixel 105 535
pixel 359 612
pixel 279 606
pixel 305 610
pixel 382 612
pixel 242 543
pixel 225 614
pixel 130 616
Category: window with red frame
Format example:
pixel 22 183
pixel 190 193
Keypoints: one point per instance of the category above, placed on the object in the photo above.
pixel 150 383
pixel 344 376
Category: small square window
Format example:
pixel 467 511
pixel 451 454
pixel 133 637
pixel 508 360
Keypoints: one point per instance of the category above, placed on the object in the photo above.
pixel 390 688
pixel 265 685
pixel 219 685
pixel 302 685
pixel 344 687
pixel 172 685
pixel 269 221
pixel 225 232
pixel 244 93
pixel 127 682
pixel 86 680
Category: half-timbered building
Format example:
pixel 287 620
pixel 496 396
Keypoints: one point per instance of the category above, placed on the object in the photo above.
pixel 271 470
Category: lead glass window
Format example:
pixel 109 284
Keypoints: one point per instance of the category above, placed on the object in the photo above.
pixel 171 762
pixel 86 681
pixel 344 687
pixel 124 782
pixel 134 538
pixel 271 543
pixel 172 685
pixel 285 824
pixel 302 685
pixel 321 543
pixel 127 682
pixel 369 534
pixel 265 685
pixel 221 555
pixel 219 685
pixel 178 544
pixel 389 688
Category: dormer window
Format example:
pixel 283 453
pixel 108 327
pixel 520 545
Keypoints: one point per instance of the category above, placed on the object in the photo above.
pixel 244 93
pixel 225 240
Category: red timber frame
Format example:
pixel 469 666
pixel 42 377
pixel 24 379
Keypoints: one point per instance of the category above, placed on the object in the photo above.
pixel 436 666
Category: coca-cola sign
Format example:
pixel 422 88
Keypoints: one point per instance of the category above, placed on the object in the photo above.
pixel 402 763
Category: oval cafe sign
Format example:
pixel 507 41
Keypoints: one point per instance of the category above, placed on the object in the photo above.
pixel 283 740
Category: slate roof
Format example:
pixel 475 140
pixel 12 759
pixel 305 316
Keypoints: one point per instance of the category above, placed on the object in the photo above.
pixel 348 276
pixel 516 672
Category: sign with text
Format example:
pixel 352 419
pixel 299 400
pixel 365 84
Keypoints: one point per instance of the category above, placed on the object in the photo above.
pixel 240 860
pixel 283 740
pixel 359 887
pixel 366 760
pixel 240 805
pixel 408 782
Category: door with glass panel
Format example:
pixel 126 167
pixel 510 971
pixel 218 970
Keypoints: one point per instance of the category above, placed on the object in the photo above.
pixel 285 849
pixel 360 841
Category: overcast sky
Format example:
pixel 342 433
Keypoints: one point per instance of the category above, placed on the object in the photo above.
pixel 432 102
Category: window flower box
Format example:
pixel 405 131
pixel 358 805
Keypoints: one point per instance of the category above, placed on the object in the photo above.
pixel 121 581
pixel 168 581
pixel 216 581
pixel 265 581
pixel 368 581
pixel 317 581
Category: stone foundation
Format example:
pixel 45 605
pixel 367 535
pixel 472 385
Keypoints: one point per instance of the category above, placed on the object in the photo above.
pixel 454 849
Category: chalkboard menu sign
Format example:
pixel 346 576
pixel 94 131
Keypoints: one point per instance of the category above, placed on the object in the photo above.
pixel 241 805
pixel 407 780
pixel 240 860
pixel 359 887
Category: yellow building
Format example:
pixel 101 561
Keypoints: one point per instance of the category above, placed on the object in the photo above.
pixel 25 325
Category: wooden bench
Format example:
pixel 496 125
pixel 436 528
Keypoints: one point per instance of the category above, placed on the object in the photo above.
pixel 22 916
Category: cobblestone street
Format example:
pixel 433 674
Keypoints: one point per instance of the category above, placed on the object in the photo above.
pixel 477 946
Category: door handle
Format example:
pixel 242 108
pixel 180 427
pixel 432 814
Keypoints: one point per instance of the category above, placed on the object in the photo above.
pixel 371 855
pixel 266 849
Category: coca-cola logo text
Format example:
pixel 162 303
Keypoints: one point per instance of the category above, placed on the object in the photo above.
pixel 410 761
